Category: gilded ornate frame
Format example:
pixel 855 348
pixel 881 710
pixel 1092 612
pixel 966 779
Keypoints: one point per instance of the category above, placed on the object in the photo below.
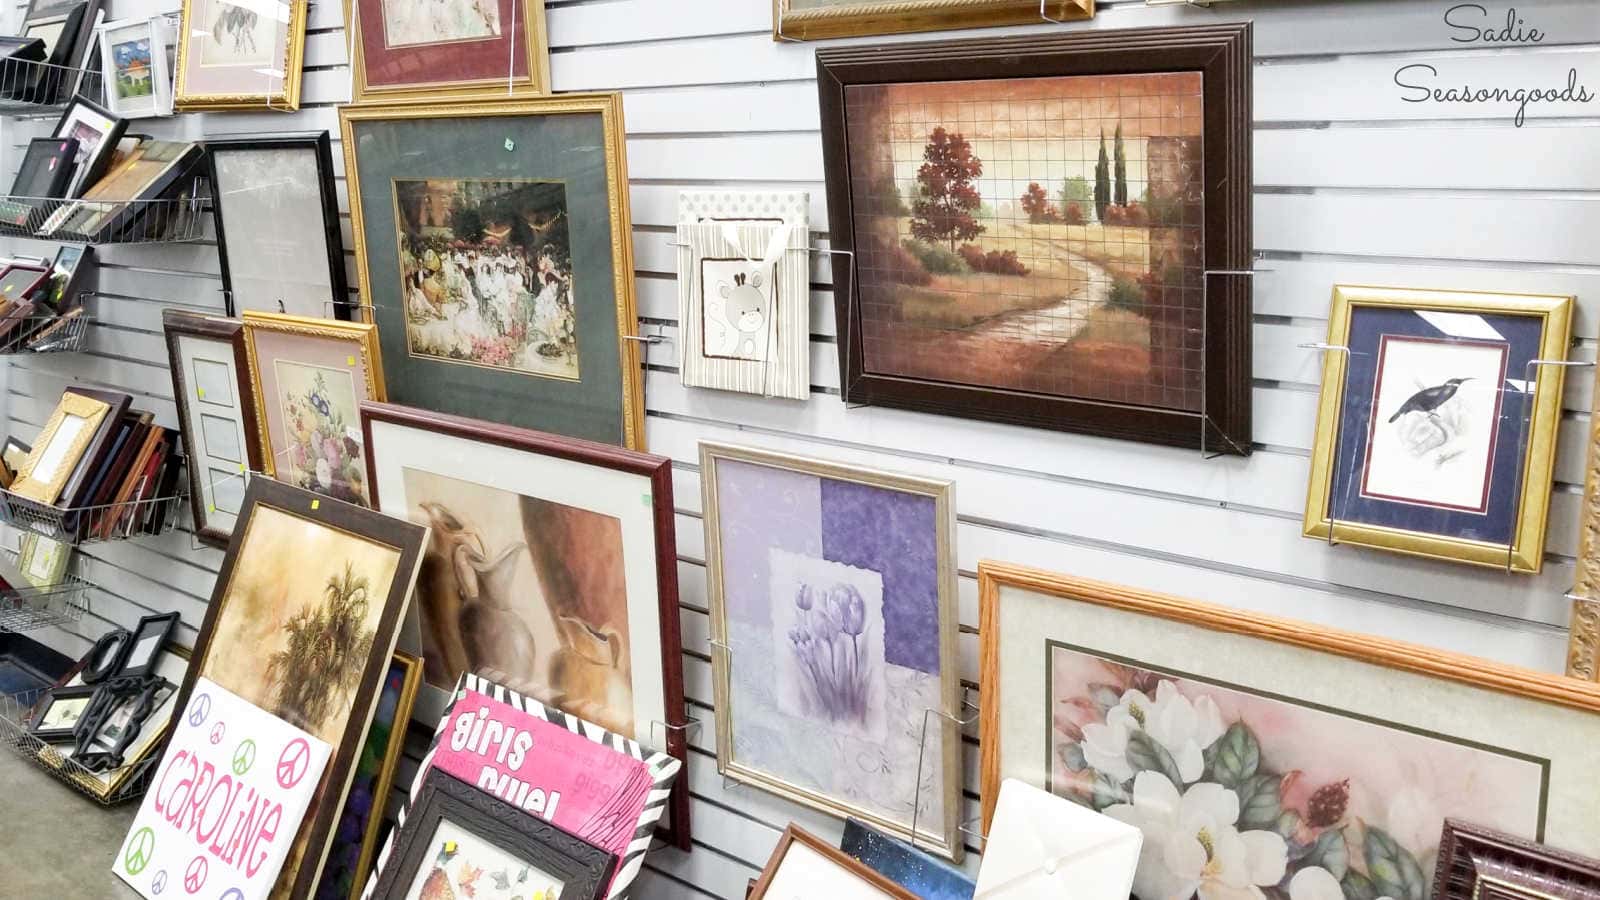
pixel 1583 647
pixel 861 17
pixel 287 99
pixel 91 411
pixel 948 761
pixel 1477 863
pixel 1525 553
pixel 536 41
pixel 609 107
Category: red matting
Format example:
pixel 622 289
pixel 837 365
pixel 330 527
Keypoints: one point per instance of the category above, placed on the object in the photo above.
pixel 442 64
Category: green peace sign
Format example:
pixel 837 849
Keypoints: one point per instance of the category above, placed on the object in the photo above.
pixel 244 757
pixel 140 848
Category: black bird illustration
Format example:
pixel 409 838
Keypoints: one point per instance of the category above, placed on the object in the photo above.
pixel 1429 399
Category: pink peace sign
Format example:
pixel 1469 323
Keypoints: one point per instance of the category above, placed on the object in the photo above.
pixel 217 731
pixel 194 877
pixel 293 762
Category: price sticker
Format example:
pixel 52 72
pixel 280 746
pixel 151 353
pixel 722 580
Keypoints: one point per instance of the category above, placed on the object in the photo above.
pixel 200 392
pixel 510 145
pixel 350 361
pixel 316 503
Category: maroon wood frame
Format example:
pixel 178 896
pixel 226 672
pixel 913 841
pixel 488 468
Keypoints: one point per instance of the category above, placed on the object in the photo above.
pixel 1476 863
pixel 1222 54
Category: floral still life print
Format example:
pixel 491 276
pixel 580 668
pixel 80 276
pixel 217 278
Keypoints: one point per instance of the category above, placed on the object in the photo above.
pixel 319 418
pixel 1245 796
pixel 487 274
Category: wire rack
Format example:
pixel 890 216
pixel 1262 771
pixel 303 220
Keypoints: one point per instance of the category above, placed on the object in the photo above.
pixel 87 524
pixel 109 788
pixel 169 220
pixel 37 88
pixel 26 608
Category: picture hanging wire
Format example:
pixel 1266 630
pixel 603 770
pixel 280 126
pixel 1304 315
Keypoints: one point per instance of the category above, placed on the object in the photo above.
pixel 922 749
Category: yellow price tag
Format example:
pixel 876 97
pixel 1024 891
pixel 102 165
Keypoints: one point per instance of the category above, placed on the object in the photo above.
pixel 210 508
pixel 200 392
pixel 316 503
pixel 350 360
pixel 241 468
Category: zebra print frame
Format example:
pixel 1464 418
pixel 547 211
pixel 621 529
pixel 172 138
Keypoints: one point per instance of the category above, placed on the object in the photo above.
pixel 662 767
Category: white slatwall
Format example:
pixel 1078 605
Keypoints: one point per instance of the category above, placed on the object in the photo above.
pixel 1352 184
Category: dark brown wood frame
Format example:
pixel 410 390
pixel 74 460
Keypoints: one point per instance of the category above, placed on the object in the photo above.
pixel 1222 53
pixel 843 860
pixel 1476 863
pixel 177 323
pixel 408 540
pixel 656 468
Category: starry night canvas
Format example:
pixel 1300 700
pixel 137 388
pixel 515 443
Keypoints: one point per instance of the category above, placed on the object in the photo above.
pixel 905 865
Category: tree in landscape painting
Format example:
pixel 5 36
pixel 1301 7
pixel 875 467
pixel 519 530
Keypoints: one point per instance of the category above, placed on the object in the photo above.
pixel 1036 203
pixel 1120 172
pixel 327 648
pixel 944 208
pixel 1102 182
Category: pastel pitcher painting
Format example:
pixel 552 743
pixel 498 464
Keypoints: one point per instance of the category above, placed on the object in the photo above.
pixel 1248 796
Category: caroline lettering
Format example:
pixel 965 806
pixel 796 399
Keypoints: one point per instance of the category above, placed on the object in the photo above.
pixel 1420 83
pixel 1470 23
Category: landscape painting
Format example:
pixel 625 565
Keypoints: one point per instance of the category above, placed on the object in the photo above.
pixel 1042 235
pixel 1279 800
pixel 486 268
pixel 528 593
pixel 134 76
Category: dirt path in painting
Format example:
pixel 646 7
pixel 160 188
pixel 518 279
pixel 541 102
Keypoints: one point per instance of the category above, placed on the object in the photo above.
pixel 1056 324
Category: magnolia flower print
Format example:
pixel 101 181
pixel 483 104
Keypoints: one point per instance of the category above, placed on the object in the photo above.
pixel 827 645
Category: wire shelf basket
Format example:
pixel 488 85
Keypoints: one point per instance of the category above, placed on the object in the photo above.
pixel 128 782
pixel 94 524
pixel 67 333
pixel 26 608
pixel 172 220
pixel 42 89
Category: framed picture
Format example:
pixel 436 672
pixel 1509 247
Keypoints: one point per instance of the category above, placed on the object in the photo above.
pixel 133 60
pixel 1311 750
pixel 79 489
pixel 240 55
pixel 18 282
pixel 812 20
pixel 905 865
pixel 1055 846
pixel 552 568
pixel 46 169
pixel 302 624
pixel 498 233
pixel 308 377
pixel 803 865
pixel 56 720
pixel 15 453
pixel 457 834
pixel 1583 643
pixel 43 562
pixel 121 748
pixel 810 564
pixel 355 839
pixel 124 711
pixel 273 195
pixel 1058 280
pixel 1478 863
pixel 1434 436
pixel 21 62
pixel 67 436
pixel 68 31
pixel 144 651
pixel 97 131
pixel 405 51
pixel 118 208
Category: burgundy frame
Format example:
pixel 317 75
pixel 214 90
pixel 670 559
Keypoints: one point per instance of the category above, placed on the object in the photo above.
pixel 1476 863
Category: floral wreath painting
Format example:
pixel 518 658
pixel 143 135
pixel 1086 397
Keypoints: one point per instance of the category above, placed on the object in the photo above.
pixel 319 416
pixel 1243 795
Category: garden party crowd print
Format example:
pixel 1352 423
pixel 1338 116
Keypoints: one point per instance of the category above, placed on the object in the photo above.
pixel 1038 234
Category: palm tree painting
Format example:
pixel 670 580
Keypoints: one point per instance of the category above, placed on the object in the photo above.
pixel 321 667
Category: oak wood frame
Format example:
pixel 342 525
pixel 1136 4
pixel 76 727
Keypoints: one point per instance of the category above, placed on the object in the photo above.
pixel 901 16
pixel 1222 53
pixel 795 834
pixel 1477 863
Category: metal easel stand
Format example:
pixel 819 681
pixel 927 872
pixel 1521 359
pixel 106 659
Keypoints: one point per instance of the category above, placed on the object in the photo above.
pixel 1530 376
pixel 728 782
pixel 1338 425
pixel 1206 427
pixel 690 724
pixel 928 713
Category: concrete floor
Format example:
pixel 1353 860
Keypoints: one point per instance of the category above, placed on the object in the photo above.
pixel 55 843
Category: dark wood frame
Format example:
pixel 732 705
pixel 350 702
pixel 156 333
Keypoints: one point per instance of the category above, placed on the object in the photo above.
pixel 157 623
pixel 176 324
pixel 318 143
pixel 1222 53
pixel 77 489
pixel 1476 863
pixel 357 522
pixel 585 870
pixel 57 735
pixel 845 861
pixel 100 159
pixel 659 471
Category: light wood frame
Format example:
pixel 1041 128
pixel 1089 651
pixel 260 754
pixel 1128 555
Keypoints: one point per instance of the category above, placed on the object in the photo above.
pixel 92 412
pixel 1525 553
pixel 903 16
pixel 1483 674
pixel 795 834
pixel 287 100
pixel 536 41
pixel 946 755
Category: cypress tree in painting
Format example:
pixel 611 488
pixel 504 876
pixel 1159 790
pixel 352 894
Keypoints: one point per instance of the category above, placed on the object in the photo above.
pixel 1121 172
pixel 1102 182
pixel 943 211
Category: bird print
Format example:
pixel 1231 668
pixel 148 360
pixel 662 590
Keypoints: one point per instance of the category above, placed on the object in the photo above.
pixel 1429 399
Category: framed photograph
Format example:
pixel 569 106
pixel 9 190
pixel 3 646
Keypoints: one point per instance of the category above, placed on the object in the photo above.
pixel 79 489
pixel 1434 437
pixel 813 20
pixel 117 207
pixel 275 207
pixel 149 639
pixel 43 562
pixel 1311 750
pixel 804 865
pixel 97 131
pixel 302 623
pixel 66 437
pixel 56 720
pixel 457 834
pixel 1477 863
pixel 407 51
pixel 240 55
pixel 552 569
pixel 133 60
pixel 905 865
pixel 355 841
pixel 46 169
pixel 833 602
pixel 216 415
pixel 498 234
pixel 1057 280
pixel 308 377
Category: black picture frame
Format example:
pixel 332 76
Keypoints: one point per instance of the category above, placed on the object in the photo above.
pixel 149 639
pixel 85 693
pixel 20 59
pixel 104 660
pixel 320 145
pixel 98 159
pixel 64 65
pixel 46 169
pixel 98 751
pixel 585 870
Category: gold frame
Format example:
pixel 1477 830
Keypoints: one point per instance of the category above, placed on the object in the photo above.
pixel 386 770
pixel 93 412
pixel 1526 551
pixel 536 40
pixel 59 554
pixel 609 108
pixel 904 16
pixel 1483 674
pixel 943 495
pixel 287 100
pixel 362 334
pixel 1583 646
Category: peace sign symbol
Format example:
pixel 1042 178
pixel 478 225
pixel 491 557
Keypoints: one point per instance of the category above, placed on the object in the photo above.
pixel 292 764
pixel 200 709
pixel 194 877
pixel 217 731
pixel 244 757
pixel 140 848
pixel 159 883
pixel 232 894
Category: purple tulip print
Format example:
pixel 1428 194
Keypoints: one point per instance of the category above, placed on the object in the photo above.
pixel 829 639
pixel 829 653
